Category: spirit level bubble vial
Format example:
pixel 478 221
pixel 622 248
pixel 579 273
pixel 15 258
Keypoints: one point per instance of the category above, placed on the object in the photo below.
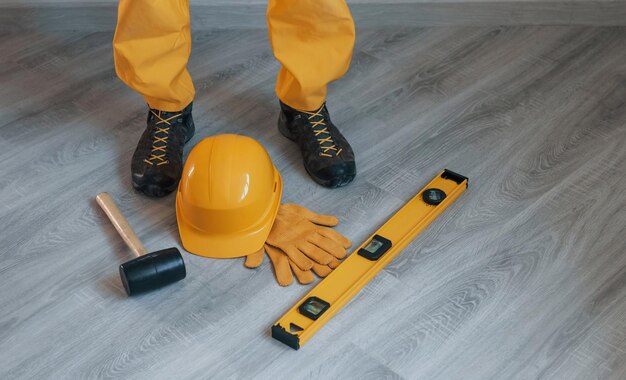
pixel 303 320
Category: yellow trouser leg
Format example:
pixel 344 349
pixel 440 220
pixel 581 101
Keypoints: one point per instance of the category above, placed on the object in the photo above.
pixel 313 40
pixel 151 47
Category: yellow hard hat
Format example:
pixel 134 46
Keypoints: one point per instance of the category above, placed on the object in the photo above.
pixel 228 197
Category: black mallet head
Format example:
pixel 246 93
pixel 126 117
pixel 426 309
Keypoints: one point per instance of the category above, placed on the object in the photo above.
pixel 152 271
pixel 149 270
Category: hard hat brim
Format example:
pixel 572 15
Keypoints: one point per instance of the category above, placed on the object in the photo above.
pixel 236 244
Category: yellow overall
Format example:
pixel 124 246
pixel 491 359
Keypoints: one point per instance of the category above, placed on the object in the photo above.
pixel 312 39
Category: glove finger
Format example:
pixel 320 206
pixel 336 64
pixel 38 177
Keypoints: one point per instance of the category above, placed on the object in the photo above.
pixel 304 276
pixel 334 235
pixel 255 259
pixel 328 245
pixel 321 270
pixel 321 219
pixel 282 270
pixel 297 257
pixel 334 264
pixel 315 253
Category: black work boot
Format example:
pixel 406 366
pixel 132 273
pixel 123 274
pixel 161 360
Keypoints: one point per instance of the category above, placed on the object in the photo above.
pixel 328 158
pixel 158 160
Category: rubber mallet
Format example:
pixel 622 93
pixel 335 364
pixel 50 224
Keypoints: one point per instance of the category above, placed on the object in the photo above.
pixel 148 271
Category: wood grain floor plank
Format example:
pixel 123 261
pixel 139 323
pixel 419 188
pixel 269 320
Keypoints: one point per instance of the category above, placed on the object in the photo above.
pixel 524 277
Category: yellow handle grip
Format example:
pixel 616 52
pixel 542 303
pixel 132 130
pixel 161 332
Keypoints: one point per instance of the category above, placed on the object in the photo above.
pixel 107 204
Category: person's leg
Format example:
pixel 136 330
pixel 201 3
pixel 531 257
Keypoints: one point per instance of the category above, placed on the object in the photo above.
pixel 151 47
pixel 313 40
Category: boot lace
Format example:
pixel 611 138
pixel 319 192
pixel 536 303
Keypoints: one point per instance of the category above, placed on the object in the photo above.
pixel 159 143
pixel 324 138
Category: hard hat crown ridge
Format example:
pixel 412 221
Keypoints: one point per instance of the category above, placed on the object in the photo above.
pixel 228 197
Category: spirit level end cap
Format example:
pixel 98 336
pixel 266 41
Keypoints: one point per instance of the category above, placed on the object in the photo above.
pixel 279 333
pixel 456 177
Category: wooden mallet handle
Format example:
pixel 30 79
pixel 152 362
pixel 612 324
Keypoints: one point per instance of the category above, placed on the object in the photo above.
pixel 107 204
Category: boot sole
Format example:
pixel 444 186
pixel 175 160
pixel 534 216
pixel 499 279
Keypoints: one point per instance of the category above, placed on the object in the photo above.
pixel 153 191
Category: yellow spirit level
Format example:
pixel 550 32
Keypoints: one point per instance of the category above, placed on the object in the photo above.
pixel 303 320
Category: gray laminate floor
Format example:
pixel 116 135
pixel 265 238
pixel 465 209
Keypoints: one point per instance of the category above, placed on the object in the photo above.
pixel 523 277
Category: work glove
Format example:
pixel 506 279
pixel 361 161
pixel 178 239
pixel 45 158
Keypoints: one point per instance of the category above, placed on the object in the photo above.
pixel 285 269
pixel 305 236
pixel 301 242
